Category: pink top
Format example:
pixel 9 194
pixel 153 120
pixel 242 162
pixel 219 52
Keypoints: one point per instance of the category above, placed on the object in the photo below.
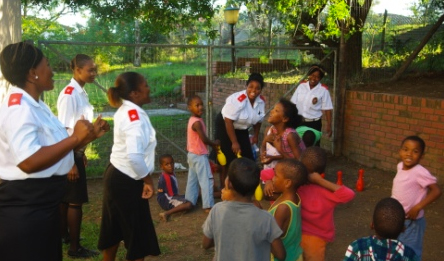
pixel 285 146
pixel 317 207
pixel 411 186
pixel 194 143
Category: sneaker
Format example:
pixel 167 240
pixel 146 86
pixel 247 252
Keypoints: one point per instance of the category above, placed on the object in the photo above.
pixel 82 253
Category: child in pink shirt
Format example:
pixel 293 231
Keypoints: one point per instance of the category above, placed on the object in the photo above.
pixel 415 188
pixel 318 201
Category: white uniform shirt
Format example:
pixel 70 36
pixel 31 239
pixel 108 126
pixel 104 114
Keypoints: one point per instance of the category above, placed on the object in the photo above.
pixel 73 102
pixel 133 134
pixel 26 126
pixel 311 102
pixel 238 108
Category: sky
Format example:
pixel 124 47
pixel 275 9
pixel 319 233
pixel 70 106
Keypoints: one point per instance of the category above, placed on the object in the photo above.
pixel 393 6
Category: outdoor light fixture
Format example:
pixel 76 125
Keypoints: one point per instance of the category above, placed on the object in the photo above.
pixel 231 14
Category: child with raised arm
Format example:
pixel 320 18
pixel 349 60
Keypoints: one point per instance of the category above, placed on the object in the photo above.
pixel 199 171
pixel 236 228
pixel 388 223
pixel 290 174
pixel 168 190
pixel 319 198
pixel 282 140
pixel 415 188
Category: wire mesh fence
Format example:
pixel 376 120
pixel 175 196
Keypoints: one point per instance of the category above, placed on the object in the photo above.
pixel 175 72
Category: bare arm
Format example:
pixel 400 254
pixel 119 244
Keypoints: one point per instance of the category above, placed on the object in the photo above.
pixel 278 249
pixel 207 242
pixel 282 216
pixel 232 135
pixel 316 178
pixel 197 127
pixel 433 194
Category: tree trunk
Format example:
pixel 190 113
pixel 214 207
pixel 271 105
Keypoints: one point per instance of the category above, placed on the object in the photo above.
pixel 421 45
pixel 137 49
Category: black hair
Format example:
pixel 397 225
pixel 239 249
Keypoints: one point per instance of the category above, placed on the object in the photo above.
pixel 191 98
pixel 243 174
pixel 16 60
pixel 294 170
pixel 309 138
pixel 291 112
pixel 79 61
pixel 417 139
pixel 314 159
pixel 388 218
pixel 316 68
pixel 124 85
pixel 164 156
pixel 257 77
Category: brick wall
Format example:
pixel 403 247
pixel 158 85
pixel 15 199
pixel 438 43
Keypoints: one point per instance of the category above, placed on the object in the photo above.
pixel 375 125
pixel 192 84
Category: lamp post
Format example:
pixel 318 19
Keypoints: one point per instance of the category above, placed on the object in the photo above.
pixel 231 14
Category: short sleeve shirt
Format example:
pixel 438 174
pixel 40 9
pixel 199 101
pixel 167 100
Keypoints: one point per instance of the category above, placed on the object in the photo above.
pixel 73 102
pixel 239 109
pixel 28 125
pixel 133 134
pixel 311 102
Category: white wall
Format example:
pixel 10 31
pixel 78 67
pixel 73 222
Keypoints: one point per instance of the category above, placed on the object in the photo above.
pixel 10 30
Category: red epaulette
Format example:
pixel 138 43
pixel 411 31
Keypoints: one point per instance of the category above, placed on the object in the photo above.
pixel 262 97
pixel 15 99
pixel 325 86
pixel 133 115
pixel 69 90
pixel 242 97
pixel 304 81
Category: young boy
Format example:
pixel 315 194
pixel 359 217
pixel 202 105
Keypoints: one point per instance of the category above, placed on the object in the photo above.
pixel 168 190
pixel 319 198
pixel 309 136
pixel 236 228
pixel 415 188
pixel 290 174
pixel 199 171
pixel 388 223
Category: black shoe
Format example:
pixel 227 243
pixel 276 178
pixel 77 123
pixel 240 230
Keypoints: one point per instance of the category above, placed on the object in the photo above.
pixel 82 253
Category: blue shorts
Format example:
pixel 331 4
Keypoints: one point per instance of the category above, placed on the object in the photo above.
pixel 414 234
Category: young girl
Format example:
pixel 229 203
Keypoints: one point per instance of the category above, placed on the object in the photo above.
pixel 282 140
pixel 127 180
pixel 72 105
pixel 199 172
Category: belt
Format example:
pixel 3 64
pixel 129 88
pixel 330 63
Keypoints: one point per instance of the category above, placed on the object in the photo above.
pixel 310 120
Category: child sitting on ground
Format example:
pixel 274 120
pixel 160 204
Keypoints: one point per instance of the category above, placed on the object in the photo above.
pixel 199 172
pixel 388 223
pixel 282 140
pixel 168 190
pixel 290 174
pixel 415 188
pixel 319 198
pixel 236 228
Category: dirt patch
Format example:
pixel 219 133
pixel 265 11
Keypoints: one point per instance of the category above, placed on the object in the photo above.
pixel 181 237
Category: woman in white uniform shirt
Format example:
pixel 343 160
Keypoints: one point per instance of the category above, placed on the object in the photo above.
pixel 128 185
pixel 313 100
pixel 73 105
pixel 241 111
pixel 36 153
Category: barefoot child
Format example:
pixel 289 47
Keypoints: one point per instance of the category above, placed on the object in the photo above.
pixel 290 174
pixel 282 140
pixel 199 172
pixel 319 198
pixel 388 223
pixel 236 228
pixel 415 188
pixel 168 190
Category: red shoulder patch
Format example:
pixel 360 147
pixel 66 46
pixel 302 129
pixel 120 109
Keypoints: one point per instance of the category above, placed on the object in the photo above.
pixel 69 90
pixel 133 115
pixel 242 97
pixel 15 99
pixel 325 86
pixel 262 97
pixel 304 81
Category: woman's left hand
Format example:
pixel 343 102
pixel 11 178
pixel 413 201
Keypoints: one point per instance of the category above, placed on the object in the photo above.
pixel 148 191
pixel 100 126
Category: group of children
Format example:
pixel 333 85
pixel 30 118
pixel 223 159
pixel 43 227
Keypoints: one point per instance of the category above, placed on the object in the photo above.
pixel 299 222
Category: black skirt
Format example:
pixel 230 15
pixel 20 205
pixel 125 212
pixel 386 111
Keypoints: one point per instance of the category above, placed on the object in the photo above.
pixel 77 192
pixel 30 219
pixel 126 216
pixel 243 138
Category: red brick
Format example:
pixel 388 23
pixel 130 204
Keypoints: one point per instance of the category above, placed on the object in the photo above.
pixel 427 110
